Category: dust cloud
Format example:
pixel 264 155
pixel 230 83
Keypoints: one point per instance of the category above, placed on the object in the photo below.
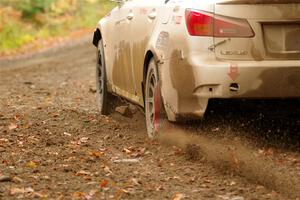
pixel 231 157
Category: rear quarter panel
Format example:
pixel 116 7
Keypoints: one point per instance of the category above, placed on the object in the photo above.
pixel 173 47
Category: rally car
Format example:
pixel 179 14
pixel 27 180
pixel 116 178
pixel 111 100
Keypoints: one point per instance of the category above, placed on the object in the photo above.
pixel 176 55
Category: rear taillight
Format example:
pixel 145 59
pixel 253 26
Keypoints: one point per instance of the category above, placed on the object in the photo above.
pixel 200 23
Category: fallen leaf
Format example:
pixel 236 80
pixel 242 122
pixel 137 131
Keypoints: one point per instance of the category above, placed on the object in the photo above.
pixel 88 196
pixel 273 194
pixel 92 90
pixel 127 151
pixel 103 184
pixel 5 162
pixel 207 181
pixel 139 152
pixel 3 140
pixel 12 126
pixel 78 194
pixel 292 159
pixel 96 154
pixel 55 115
pixel 67 134
pixel 82 172
pixel 269 152
pixel 125 191
pixel 204 186
pixel 193 179
pixel 39 195
pixel 237 198
pixel 235 161
pixel 215 129
pixel 232 183
pixel 178 196
pixel 31 164
pixel 87 178
pixel 14 191
pixel 260 151
pixel 107 170
pixel 83 140
pixel 260 187
pixel 17 117
pixel 93 192
pixel 160 188
pixel 17 180
pixel 135 182
pixel 136 160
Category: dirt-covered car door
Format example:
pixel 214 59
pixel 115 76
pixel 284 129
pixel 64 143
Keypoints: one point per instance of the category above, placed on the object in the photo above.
pixel 123 83
pixel 146 14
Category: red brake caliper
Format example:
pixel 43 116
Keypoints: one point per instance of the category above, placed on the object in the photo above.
pixel 157 103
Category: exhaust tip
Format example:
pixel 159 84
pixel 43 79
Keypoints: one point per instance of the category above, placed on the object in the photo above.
pixel 234 87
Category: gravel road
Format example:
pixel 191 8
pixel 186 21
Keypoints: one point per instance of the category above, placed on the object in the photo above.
pixel 55 145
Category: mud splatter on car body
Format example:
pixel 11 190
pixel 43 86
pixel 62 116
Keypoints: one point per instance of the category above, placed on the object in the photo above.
pixel 259 38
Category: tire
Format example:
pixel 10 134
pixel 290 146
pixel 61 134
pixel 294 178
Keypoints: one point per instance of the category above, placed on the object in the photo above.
pixel 154 109
pixel 103 96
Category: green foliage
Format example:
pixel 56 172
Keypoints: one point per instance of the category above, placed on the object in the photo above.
pixel 24 21
pixel 86 18
pixel 14 36
pixel 30 8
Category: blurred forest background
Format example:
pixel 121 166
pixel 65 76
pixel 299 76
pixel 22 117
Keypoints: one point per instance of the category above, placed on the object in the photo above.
pixel 30 24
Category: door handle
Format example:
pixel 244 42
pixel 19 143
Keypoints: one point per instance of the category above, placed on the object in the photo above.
pixel 152 15
pixel 130 16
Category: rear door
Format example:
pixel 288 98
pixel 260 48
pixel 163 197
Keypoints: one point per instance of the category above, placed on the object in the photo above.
pixel 145 15
pixel 275 25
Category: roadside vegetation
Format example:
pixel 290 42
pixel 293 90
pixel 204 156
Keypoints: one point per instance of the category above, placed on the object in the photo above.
pixel 28 22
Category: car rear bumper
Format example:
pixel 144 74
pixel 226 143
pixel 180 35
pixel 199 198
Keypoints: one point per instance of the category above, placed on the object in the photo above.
pixel 188 84
pixel 256 79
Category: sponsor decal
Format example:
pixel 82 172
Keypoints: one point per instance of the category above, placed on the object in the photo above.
pixel 143 11
pixel 176 20
pixel 176 9
pixel 233 71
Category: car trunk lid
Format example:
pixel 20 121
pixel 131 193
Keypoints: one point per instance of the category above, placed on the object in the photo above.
pixel 276 24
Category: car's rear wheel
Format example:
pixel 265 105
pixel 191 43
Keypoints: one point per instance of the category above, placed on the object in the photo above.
pixel 103 96
pixel 154 109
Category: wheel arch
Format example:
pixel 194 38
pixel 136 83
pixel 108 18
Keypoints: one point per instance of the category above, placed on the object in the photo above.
pixel 151 53
pixel 97 37
pixel 148 56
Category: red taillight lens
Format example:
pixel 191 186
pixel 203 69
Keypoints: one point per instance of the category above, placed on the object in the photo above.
pixel 200 23
pixel 232 27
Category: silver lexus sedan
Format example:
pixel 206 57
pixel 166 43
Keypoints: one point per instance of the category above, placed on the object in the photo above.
pixel 173 56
